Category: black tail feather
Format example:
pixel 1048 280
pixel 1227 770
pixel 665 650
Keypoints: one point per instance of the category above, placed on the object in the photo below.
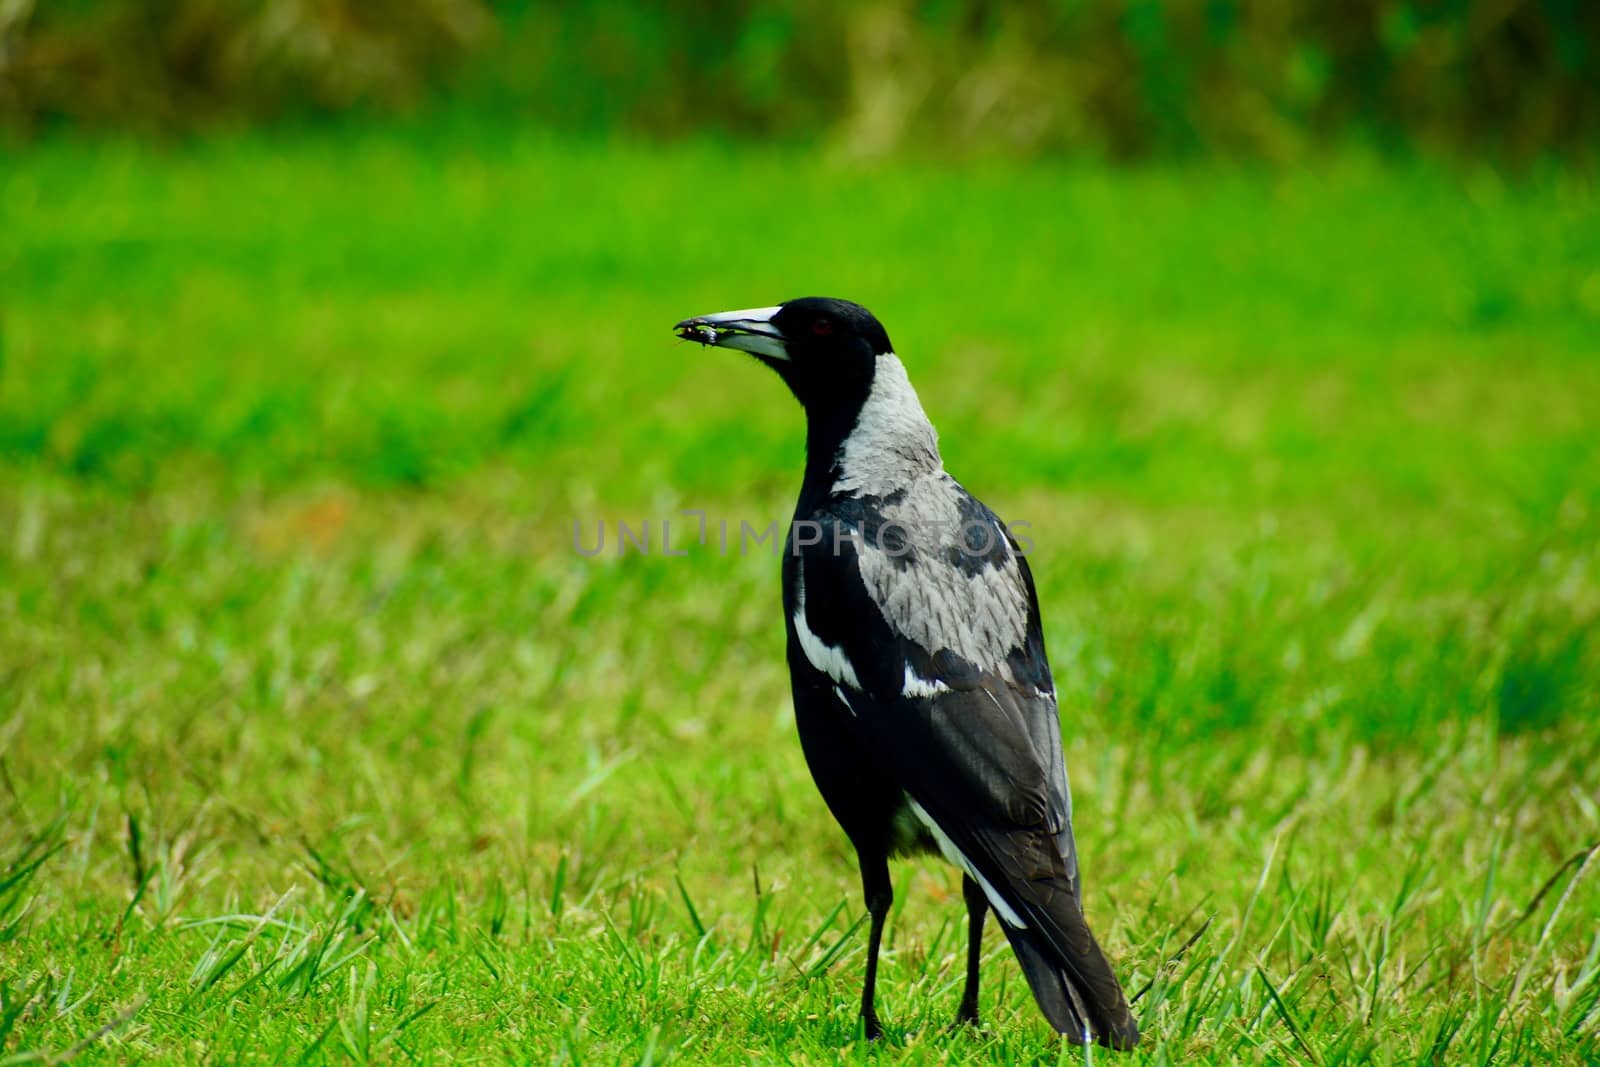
pixel 1072 1006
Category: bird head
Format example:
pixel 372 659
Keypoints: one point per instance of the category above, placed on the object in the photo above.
pixel 824 349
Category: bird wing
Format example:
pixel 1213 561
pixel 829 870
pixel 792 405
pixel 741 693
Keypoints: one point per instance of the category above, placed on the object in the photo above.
pixel 941 657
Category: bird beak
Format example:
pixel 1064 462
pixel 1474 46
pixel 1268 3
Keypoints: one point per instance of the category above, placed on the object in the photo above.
pixel 749 330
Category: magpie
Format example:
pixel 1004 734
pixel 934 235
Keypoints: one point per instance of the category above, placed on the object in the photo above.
pixel 922 694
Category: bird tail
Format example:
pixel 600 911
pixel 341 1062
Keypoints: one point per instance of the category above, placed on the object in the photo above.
pixel 1076 989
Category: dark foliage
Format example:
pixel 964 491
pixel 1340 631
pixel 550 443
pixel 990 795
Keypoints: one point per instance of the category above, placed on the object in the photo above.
pixel 1515 79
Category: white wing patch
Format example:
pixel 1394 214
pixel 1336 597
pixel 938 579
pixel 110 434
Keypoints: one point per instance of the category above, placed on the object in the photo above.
pixel 916 686
pixel 954 855
pixel 829 659
pixel 851 708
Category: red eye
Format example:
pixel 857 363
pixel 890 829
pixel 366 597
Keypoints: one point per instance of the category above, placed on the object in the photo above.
pixel 822 327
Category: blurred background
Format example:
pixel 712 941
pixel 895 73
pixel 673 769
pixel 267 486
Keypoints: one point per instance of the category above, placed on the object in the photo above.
pixel 1115 79
pixel 322 323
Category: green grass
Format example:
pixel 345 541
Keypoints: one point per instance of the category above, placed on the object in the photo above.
pixel 318 741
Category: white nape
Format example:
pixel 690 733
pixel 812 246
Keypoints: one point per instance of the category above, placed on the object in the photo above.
pixel 893 443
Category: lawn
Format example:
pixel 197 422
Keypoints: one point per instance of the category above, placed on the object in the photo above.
pixel 319 741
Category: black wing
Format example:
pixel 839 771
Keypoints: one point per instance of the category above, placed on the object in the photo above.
pixel 974 739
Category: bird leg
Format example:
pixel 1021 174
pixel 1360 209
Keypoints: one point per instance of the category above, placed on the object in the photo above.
pixel 879 894
pixel 977 911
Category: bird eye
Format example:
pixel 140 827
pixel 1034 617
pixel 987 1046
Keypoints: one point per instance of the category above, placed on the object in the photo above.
pixel 821 327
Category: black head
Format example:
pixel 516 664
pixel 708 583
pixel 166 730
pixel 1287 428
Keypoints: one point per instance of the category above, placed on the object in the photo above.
pixel 824 349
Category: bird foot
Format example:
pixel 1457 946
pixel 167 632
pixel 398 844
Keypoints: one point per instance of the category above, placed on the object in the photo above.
pixel 966 1019
pixel 871 1027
